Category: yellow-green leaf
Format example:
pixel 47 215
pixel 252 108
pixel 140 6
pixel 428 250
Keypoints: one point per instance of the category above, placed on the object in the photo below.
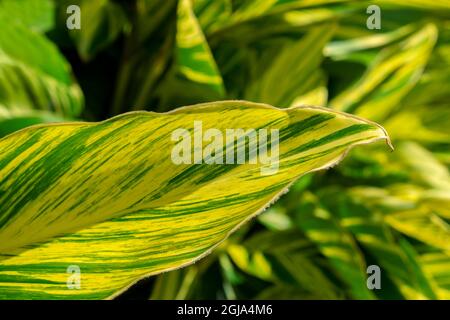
pixel 421 4
pixel 195 75
pixel 293 71
pixel 390 77
pixel 212 14
pixel 412 211
pixel 107 198
pixel 357 212
pixel 195 60
pixel 437 266
pixel 422 225
pixel 335 243
pixel 424 167
pixel 34 76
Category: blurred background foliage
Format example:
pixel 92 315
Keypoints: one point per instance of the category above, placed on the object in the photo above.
pixel 388 209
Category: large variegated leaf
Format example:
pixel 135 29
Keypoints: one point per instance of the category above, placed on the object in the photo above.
pixel 108 198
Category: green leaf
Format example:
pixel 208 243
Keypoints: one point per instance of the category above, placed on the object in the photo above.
pixel 286 292
pixel 275 219
pixel 342 48
pixel 390 77
pixel 289 73
pixel 34 77
pixel 311 278
pixel 437 266
pixel 195 61
pixel 175 284
pixel 212 14
pixel 107 197
pixel 425 282
pixel 184 283
pixel 295 11
pixel 150 16
pixel 34 50
pixel 419 125
pixel 102 22
pixel 375 237
pixel 277 257
pixel 37 15
pixel 422 225
pixel 438 201
pixel 146 56
pixel 252 262
pixel 424 167
pixel 335 243
pixel 10 125
pixel 412 211
pixel 194 76
pixel 421 4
